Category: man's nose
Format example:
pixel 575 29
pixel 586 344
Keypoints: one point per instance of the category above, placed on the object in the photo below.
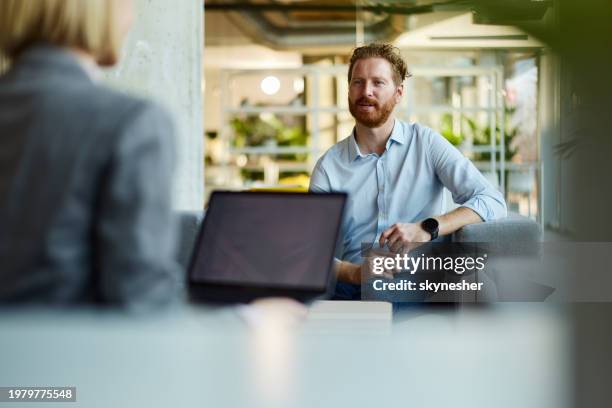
pixel 368 89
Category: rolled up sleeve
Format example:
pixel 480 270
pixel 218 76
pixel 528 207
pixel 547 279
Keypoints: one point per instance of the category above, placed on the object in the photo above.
pixel 467 185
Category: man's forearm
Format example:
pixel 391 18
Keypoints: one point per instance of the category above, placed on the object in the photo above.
pixel 447 224
pixel 454 220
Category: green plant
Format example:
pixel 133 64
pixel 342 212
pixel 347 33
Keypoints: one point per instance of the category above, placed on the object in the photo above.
pixel 263 129
pixel 482 136
pixel 446 130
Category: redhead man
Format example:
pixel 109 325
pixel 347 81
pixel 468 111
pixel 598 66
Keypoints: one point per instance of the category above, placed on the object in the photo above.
pixel 395 172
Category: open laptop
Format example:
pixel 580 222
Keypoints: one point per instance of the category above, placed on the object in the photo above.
pixel 260 244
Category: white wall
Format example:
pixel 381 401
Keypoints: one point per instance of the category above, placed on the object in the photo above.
pixel 162 59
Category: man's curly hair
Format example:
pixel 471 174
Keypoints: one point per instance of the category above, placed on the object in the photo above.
pixel 380 50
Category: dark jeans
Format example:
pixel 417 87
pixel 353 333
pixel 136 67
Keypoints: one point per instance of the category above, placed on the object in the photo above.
pixel 347 291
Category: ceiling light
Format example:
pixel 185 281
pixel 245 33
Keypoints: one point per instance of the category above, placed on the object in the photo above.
pixel 270 85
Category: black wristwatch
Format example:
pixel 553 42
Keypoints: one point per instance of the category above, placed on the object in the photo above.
pixel 431 225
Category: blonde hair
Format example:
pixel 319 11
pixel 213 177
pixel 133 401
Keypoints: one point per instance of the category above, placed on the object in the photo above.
pixel 90 25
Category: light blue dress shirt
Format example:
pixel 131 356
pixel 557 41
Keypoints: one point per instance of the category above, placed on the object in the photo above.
pixel 405 184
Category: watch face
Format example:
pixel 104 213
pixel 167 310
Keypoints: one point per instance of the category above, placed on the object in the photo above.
pixel 430 225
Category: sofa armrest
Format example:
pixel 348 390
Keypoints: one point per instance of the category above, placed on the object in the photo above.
pixel 188 227
pixel 514 228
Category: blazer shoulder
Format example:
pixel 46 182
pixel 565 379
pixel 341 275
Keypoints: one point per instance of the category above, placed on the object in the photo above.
pixel 106 109
pixel 131 111
pixel 108 101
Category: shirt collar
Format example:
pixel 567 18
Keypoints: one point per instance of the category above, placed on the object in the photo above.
pixel 353 148
pixel 397 135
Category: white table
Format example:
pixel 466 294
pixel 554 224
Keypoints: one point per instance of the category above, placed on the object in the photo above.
pixel 343 355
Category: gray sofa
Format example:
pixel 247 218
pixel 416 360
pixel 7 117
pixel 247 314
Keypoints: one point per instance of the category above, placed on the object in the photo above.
pixel 513 246
pixel 514 228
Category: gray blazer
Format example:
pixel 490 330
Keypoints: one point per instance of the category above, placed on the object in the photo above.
pixel 85 176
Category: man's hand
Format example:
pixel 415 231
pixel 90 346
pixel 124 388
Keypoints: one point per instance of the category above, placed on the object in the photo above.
pixel 348 272
pixel 352 273
pixel 403 237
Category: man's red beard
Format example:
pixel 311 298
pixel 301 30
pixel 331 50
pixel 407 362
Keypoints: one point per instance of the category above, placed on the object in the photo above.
pixel 376 116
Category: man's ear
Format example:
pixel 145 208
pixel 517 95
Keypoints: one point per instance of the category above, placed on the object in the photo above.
pixel 399 92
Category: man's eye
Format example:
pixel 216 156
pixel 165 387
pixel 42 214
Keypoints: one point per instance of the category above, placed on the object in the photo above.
pixel 379 83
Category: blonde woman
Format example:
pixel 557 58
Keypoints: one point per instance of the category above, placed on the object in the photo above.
pixel 85 171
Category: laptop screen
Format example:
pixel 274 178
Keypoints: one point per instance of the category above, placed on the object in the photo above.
pixel 268 239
